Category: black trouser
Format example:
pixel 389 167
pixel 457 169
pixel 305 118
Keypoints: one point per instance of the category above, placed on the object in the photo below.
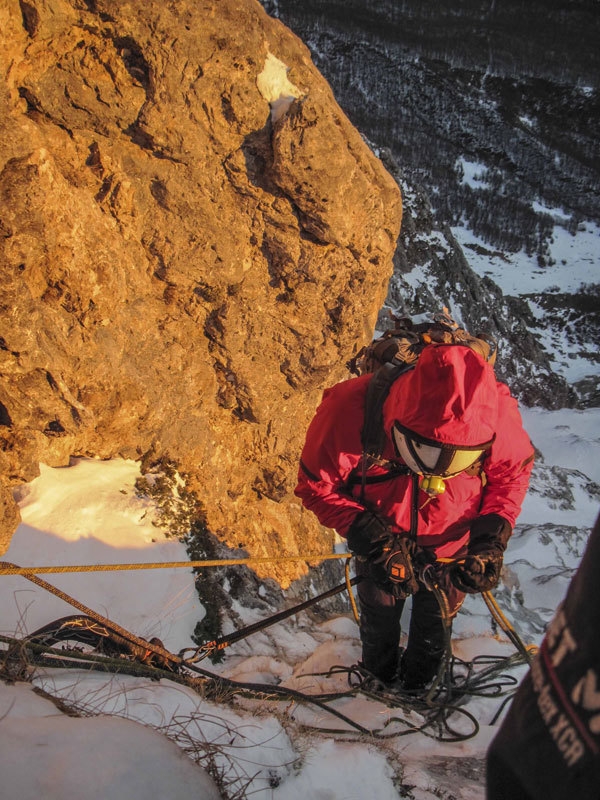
pixel 380 614
pixel 501 781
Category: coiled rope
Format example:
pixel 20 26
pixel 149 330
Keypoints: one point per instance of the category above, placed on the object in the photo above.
pixel 211 686
pixel 435 711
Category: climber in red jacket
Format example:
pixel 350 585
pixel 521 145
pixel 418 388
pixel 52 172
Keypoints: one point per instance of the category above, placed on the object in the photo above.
pixel 449 484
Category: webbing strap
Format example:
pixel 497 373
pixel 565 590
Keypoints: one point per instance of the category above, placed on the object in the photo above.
pixel 231 638
pixel 373 433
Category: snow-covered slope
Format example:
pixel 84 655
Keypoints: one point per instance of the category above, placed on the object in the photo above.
pixel 90 513
pixel 495 134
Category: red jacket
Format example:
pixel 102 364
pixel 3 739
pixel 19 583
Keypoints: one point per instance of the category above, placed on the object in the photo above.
pixel 451 396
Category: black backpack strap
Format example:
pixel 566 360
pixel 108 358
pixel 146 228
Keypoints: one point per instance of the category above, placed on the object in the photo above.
pixel 373 433
pixel 414 506
pixel 392 471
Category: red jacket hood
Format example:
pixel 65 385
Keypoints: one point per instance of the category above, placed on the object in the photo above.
pixel 450 396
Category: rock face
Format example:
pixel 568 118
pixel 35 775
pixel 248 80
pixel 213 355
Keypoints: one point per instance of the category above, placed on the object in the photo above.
pixel 194 241
pixel 441 85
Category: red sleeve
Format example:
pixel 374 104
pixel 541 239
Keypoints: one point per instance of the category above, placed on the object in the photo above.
pixel 508 467
pixel 331 451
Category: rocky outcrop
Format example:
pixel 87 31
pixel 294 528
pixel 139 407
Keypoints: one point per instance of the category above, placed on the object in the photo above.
pixel 194 241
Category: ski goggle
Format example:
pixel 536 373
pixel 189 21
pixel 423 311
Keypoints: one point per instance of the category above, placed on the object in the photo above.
pixel 428 457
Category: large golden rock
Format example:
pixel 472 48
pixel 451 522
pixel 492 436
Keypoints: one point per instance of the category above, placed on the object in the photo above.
pixel 194 239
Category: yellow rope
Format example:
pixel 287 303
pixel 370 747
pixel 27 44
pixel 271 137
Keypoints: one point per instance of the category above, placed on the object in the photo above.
pixel 528 650
pixel 353 605
pixel 7 568
pixel 155 647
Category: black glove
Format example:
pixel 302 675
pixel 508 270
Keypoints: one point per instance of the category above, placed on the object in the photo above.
pixel 480 570
pixel 393 569
pixel 389 556
pixel 368 535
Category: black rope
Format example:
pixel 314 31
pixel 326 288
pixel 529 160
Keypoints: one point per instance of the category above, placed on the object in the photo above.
pixel 211 685
pixel 437 706
pixel 225 641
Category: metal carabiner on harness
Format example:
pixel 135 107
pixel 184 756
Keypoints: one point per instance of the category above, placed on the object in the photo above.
pixel 426 575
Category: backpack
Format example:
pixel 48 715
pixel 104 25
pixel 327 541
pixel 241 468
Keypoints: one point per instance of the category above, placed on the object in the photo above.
pixel 396 352
pixel 404 343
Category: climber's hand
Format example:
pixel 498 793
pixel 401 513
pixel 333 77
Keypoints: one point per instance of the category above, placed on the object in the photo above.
pixel 393 569
pixel 368 535
pixel 480 570
pixel 477 573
